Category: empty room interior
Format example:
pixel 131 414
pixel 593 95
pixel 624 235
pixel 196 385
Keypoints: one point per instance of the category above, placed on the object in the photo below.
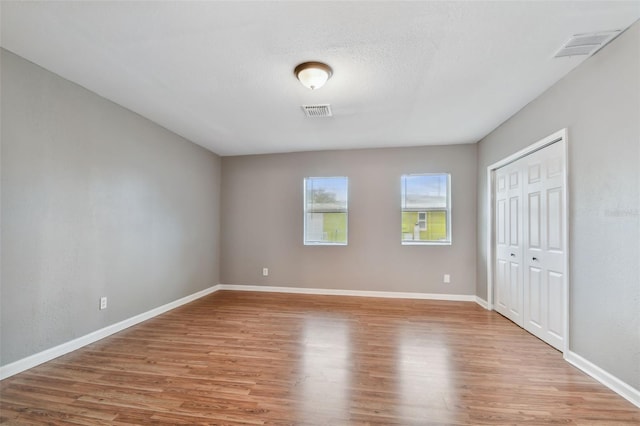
pixel 320 213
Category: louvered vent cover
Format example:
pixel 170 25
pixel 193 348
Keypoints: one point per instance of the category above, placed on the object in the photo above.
pixel 317 111
pixel 585 44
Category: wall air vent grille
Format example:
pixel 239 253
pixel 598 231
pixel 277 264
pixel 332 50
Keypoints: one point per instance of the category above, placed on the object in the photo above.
pixel 317 111
pixel 586 44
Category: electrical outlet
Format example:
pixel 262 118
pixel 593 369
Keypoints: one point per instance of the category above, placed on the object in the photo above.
pixel 265 272
pixel 447 278
pixel 103 303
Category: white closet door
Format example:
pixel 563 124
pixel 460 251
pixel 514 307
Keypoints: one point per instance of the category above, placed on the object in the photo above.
pixel 508 240
pixel 530 249
pixel 544 245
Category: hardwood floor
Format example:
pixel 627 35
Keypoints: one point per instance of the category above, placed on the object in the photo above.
pixel 266 358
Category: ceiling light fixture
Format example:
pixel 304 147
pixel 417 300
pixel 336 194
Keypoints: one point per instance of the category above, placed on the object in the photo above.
pixel 313 74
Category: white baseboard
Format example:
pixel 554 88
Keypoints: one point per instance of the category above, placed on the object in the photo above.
pixel 629 393
pixel 49 354
pixel 480 301
pixel 359 293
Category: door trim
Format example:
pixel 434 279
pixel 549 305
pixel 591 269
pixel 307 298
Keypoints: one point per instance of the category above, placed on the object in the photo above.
pixel 560 136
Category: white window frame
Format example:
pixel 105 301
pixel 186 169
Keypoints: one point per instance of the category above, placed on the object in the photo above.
pixel 306 212
pixel 449 238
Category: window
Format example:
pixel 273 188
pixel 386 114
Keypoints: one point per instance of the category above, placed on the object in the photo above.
pixel 426 209
pixel 325 210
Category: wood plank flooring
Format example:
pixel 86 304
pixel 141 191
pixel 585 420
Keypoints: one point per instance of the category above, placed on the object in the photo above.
pixel 276 359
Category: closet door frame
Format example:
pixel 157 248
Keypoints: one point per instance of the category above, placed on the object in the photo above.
pixel 557 137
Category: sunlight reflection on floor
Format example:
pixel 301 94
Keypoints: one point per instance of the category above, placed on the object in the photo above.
pixel 423 370
pixel 326 369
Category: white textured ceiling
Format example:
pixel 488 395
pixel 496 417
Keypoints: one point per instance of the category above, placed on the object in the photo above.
pixel 221 73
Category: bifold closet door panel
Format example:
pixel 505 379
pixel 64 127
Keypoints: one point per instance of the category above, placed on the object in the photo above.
pixel 508 239
pixel 544 245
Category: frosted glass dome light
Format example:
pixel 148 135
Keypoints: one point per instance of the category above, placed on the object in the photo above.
pixel 313 74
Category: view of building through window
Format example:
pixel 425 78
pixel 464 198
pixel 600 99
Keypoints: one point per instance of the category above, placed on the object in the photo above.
pixel 325 210
pixel 426 208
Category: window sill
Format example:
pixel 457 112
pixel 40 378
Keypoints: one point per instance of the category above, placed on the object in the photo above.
pixel 324 244
pixel 426 243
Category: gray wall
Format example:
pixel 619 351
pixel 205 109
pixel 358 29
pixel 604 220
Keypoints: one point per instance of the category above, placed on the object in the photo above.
pixel 96 201
pixel 262 222
pixel 599 103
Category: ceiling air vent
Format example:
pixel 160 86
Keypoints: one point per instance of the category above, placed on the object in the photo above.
pixel 316 111
pixel 585 44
